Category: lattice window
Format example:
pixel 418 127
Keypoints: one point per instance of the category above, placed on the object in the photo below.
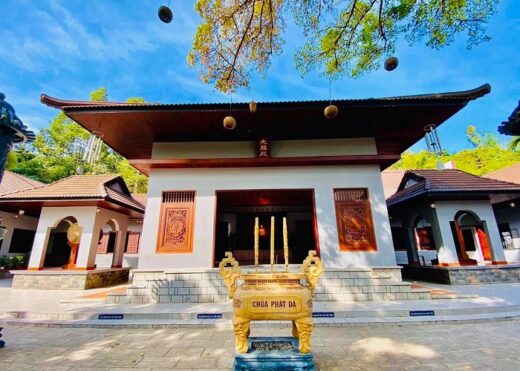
pixel 178 197
pixel 351 194
pixel 354 220
pixel 132 242
pixel 176 222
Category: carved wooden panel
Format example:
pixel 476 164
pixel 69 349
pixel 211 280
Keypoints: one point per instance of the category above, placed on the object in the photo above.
pixel 354 220
pixel 176 223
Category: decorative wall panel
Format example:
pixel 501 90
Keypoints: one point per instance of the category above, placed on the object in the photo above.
pixel 354 220
pixel 176 224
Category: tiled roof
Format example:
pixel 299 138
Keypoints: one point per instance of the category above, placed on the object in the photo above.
pixel 508 174
pixel 391 180
pixel 12 182
pixel 65 104
pixel 127 200
pixel 79 187
pixel 446 181
pixel 141 197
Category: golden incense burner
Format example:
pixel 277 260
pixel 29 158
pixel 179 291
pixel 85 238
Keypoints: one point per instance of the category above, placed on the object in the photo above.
pixel 272 295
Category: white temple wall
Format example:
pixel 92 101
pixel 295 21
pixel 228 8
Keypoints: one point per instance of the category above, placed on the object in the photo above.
pixel 446 211
pixel 511 215
pixel 129 260
pixel 323 179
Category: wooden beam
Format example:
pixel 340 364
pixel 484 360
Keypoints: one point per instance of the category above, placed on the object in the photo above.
pixel 145 165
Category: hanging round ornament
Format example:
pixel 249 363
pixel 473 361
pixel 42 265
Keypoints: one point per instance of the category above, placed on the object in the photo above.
pixel 391 63
pixel 331 111
pixel 165 14
pixel 229 122
pixel 252 106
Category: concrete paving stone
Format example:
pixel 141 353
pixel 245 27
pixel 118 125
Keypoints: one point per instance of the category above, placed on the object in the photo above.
pixel 158 362
pixel 197 363
pixel 488 345
pixel 184 352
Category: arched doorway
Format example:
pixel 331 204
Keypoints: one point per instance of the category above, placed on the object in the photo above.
pixel 107 242
pixel 58 251
pixel 424 240
pixel 470 237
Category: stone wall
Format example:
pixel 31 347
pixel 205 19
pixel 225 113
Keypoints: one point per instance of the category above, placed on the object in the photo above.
pixel 4 273
pixel 69 280
pixel 464 275
pixel 356 284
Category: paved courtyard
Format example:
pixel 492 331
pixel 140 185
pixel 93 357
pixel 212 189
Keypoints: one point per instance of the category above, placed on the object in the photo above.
pixel 476 346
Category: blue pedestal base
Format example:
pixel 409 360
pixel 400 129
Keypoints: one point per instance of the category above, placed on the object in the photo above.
pixel 288 360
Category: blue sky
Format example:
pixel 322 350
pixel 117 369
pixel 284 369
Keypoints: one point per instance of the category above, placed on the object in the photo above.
pixel 66 49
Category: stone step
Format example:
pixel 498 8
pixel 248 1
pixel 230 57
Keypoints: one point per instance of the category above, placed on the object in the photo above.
pixel 358 315
pixel 356 284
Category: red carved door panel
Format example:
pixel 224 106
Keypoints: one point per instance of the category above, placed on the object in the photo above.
pixel 354 220
pixel 176 222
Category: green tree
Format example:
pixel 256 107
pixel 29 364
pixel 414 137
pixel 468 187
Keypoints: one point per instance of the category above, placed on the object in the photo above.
pixel 58 150
pixel 514 143
pixel 487 155
pixel 342 37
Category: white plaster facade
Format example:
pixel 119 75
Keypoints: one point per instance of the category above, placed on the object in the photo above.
pixel 322 179
pixel 440 217
pixel 91 219
pixel 11 221
pixel 511 215
pixel 129 260
pixel 446 211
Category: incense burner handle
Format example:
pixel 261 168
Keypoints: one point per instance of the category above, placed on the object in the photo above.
pixel 229 273
pixel 312 267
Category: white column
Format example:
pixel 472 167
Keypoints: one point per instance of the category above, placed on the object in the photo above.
pixel 446 250
pixel 39 248
pixel 119 248
pixel 89 238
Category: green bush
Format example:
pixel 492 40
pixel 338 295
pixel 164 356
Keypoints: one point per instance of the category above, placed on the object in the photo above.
pixel 12 262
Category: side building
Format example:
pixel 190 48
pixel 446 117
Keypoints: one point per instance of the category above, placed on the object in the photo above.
pixel 444 226
pixel 88 223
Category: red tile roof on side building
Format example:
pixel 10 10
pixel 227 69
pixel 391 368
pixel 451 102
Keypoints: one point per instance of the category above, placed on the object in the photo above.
pixel 508 174
pixel 111 188
pixel 12 182
pixel 431 182
pixel 391 180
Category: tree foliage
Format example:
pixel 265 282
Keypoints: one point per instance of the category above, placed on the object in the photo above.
pixel 341 37
pixel 487 155
pixel 57 152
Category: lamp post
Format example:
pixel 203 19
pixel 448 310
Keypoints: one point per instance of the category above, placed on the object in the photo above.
pixel 12 130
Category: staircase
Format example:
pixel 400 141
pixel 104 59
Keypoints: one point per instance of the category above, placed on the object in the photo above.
pixel 206 286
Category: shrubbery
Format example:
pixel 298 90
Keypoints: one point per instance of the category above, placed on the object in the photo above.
pixel 13 262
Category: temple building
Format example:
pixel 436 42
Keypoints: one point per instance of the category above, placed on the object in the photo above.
pixel 208 182
pixel 79 232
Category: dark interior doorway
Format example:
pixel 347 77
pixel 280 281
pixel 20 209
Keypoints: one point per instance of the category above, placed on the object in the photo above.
pixel 58 249
pixel 22 241
pixel 236 213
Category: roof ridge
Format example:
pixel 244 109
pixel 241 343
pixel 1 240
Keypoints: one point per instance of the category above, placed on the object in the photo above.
pixel 462 94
